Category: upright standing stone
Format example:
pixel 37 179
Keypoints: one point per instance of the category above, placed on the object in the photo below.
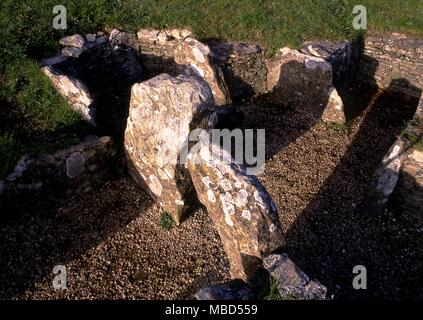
pixel 296 78
pixel 240 207
pixel 198 58
pixel 162 112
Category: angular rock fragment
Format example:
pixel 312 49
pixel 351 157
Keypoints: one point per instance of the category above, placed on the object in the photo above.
pixel 334 111
pixel 197 57
pixel 163 111
pixel 91 37
pixel 74 91
pixel 293 283
pixel 232 290
pixel 295 78
pixel 72 52
pixel 75 40
pixel 240 207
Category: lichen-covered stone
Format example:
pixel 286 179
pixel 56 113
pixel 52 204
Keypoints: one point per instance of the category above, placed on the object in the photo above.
pixel 293 282
pixel 295 78
pixel 163 111
pixel 73 169
pixel 75 40
pixel 240 207
pixel 197 58
pixel 72 90
pixel 125 39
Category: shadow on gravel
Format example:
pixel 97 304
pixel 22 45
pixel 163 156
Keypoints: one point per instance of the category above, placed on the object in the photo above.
pixel 53 231
pixel 334 233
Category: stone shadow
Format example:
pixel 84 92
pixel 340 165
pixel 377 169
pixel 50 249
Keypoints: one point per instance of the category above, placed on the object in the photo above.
pixel 336 232
pixel 54 229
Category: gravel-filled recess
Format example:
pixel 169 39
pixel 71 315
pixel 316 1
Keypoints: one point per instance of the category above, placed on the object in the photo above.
pixel 113 246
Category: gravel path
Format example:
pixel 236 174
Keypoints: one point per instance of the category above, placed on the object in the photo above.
pixel 113 246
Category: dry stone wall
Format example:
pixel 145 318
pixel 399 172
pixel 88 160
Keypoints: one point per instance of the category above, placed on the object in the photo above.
pixel 76 169
pixel 391 57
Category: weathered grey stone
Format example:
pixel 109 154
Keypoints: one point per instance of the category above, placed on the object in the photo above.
pixel 344 57
pixel 72 52
pixel 163 111
pixel 293 282
pixel 295 78
pixel 74 91
pixel 75 40
pixel 91 37
pixel 233 290
pixel 101 40
pixel 197 58
pixel 54 60
pixel 127 39
pixel 386 176
pixel 240 207
pixel 334 111
pixel 75 165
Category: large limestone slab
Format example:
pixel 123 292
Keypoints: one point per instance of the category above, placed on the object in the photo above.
pixel 73 90
pixel 240 207
pixel 163 111
pixel 295 78
pixel 198 58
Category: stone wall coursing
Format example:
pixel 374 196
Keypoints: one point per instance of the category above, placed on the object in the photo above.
pixel 243 66
pixel 390 57
pixel 76 169
pixel 157 50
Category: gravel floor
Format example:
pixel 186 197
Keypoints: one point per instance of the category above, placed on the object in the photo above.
pixel 113 246
pixel 319 179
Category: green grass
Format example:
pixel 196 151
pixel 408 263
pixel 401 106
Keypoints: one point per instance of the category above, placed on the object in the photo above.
pixel 26 36
pixel 166 221
pixel 413 131
pixel 338 127
pixel 271 291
